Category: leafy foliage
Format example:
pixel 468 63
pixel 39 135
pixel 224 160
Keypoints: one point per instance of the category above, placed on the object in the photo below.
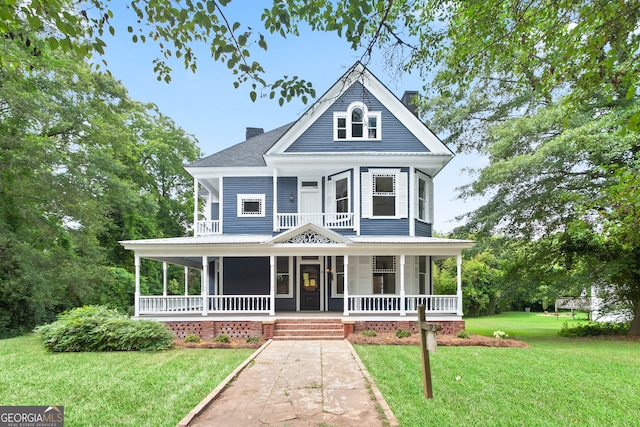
pixel 592 329
pixel 97 328
pixel 81 167
pixel 222 338
pixel 192 338
pixel 403 333
pixel 369 333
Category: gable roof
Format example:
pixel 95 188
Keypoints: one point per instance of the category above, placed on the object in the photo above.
pixel 247 153
pixel 359 73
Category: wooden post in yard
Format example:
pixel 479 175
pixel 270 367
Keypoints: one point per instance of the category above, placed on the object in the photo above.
pixel 427 343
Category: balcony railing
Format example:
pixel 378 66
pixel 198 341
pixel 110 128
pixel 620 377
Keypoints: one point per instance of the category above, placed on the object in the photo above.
pixel 204 228
pixel 342 220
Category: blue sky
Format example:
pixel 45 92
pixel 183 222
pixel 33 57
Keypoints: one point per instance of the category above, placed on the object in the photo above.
pixel 207 105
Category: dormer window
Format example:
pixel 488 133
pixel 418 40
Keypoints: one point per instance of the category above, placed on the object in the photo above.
pixel 357 123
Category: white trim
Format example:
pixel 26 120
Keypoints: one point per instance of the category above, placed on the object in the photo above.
pixel 428 198
pixel 412 201
pixel 347 116
pixel 275 199
pixel 359 73
pixel 289 273
pixel 298 282
pixel 242 198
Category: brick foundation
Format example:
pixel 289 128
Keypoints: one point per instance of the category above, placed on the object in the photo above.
pixel 207 329
pixel 449 327
pixel 211 329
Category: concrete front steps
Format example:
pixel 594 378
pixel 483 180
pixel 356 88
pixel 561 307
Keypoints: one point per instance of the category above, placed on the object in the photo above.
pixel 308 329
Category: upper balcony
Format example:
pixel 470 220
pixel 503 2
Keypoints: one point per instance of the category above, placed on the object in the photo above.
pixel 342 220
pixel 286 221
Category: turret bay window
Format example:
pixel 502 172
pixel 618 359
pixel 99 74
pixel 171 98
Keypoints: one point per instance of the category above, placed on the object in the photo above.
pixel 357 123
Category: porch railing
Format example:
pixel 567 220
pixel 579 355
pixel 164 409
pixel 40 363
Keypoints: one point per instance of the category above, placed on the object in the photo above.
pixel 175 304
pixel 204 228
pixel 257 304
pixel 391 304
pixel 328 220
pixel 170 304
pixel 239 303
pixel 432 303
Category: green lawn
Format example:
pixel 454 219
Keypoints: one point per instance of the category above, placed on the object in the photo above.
pixel 556 382
pixel 112 389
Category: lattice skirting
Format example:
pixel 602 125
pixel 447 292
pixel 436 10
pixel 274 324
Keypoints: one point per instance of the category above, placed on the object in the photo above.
pixel 212 329
pixel 449 327
pixel 244 329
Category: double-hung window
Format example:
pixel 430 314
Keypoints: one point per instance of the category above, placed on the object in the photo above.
pixel 356 123
pixel 424 211
pixel 384 274
pixel 283 277
pixel 385 194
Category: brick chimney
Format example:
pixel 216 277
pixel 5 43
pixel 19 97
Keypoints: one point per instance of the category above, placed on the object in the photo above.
pixel 251 132
pixel 407 100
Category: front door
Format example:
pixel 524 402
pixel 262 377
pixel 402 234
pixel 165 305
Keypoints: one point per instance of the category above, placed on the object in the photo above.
pixel 310 283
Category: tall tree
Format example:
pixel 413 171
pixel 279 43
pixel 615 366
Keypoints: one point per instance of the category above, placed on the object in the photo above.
pixel 81 166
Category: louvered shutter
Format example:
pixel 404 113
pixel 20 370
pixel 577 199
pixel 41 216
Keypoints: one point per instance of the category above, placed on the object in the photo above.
pixel 329 198
pixel 367 195
pixel 402 195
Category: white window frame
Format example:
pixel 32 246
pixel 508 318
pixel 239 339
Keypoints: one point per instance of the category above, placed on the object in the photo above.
pixel 332 193
pixel 426 199
pixel 366 115
pixel 289 273
pixel 392 270
pixel 400 193
pixel 334 278
pixel 242 198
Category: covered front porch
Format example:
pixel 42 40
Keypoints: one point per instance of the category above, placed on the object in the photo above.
pixel 309 269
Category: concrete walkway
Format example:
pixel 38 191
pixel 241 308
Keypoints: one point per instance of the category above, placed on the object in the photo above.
pixel 296 383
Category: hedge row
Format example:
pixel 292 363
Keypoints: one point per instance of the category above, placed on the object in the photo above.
pixel 97 328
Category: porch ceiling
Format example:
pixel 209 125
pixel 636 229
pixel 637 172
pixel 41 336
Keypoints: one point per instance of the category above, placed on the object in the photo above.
pixel 177 250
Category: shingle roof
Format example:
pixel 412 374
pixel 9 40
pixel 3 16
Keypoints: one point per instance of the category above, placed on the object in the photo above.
pixel 247 153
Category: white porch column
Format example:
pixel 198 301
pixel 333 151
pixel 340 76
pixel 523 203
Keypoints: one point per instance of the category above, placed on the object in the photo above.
pixel 165 267
pixel 275 199
pixel 345 311
pixel 204 287
pixel 459 291
pixel 195 206
pixel 186 281
pixel 136 298
pixel 403 311
pixel 272 285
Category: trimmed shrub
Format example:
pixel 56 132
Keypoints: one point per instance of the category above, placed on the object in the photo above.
pixel 369 333
pixel 403 333
pixel 251 340
pixel 192 338
pixel 463 334
pixel 222 338
pixel 592 329
pixel 97 328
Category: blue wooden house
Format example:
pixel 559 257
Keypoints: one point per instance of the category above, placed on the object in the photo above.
pixel 321 225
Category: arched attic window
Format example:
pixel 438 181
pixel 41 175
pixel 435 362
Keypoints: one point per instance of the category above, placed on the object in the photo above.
pixel 357 123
